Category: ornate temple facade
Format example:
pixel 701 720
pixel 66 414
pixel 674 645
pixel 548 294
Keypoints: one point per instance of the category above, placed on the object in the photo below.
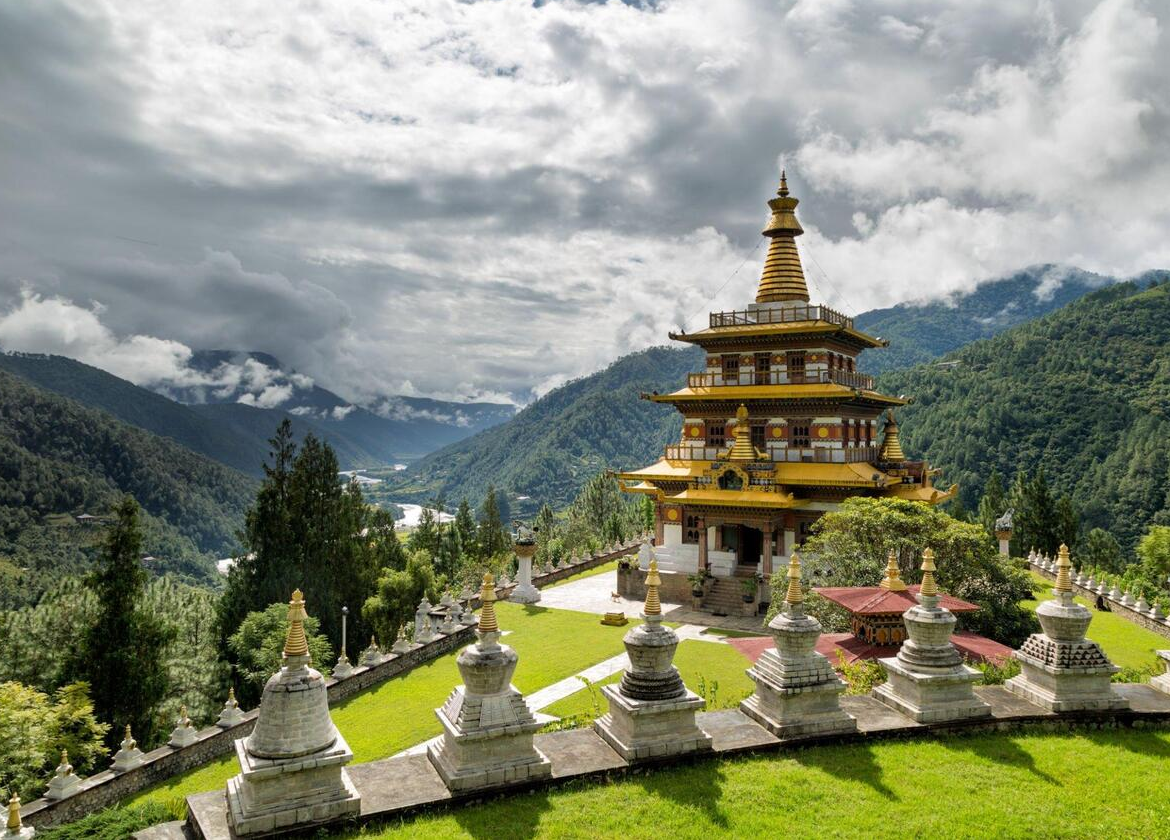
pixel 778 429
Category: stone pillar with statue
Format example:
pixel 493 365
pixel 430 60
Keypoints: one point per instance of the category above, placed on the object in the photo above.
pixel 797 690
pixel 524 542
pixel 651 712
pixel 1003 532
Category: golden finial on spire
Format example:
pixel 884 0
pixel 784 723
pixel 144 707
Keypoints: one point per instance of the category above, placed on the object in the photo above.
pixel 891 444
pixel 487 615
pixel 929 586
pixel 783 276
pixel 893 579
pixel 128 741
pixel 1063 564
pixel 295 643
pixel 742 449
pixel 795 594
pixel 653 580
pixel 14 824
pixel 64 768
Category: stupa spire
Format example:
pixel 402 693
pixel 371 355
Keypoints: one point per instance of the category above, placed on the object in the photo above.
pixel 783 276
pixel 742 449
pixel 795 594
pixel 893 579
pixel 891 444
pixel 929 587
pixel 295 643
pixel 652 607
pixel 487 615
pixel 1063 564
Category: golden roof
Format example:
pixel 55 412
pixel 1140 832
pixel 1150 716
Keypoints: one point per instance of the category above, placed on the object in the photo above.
pixel 811 327
pixel 893 579
pixel 295 643
pixel 891 445
pixel 923 493
pixel 735 498
pixel 783 277
pixel 772 392
pixel 792 473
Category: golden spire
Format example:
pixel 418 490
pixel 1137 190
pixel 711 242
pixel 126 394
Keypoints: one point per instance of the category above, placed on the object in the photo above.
pixel 795 594
pixel 929 587
pixel 487 615
pixel 14 824
pixel 1063 564
pixel 653 580
pixel 128 742
pixel 295 644
pixel 893 579
pixel 891 445
pixel 64 768
pixel 742 449
pixel 783 277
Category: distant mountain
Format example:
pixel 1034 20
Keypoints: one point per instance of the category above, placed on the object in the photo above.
pixel 547 450
pixel 1083 392
pixel 399 428
pixel 59 459
pixel 919 333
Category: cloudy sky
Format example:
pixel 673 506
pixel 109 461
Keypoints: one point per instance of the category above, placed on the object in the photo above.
pixel 482 199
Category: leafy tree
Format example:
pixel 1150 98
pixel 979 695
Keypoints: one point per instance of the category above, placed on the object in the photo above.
pixel 398 594
pixel 491 537
pixel 120 654
pixel 849 547
pixel 34 728
pixel 1154 552
pixel 1099 551
pixel 259 648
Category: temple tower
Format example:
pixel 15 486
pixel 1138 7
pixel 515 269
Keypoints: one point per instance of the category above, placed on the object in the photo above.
pixel 778 428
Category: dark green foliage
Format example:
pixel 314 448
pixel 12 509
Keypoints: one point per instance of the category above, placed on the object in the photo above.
pixel 994 503
pixel 492 534
pixel 1100 551
pixel 115 823
pixel 58 458
pixel 120 654
pixel 398 593
pixel 307 531
pixel 1083 392
pixel 259 647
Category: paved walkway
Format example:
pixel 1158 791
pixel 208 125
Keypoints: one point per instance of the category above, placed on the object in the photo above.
pixel 596 595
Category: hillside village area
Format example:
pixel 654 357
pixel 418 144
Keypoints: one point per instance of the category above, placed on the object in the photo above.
pixel 407 428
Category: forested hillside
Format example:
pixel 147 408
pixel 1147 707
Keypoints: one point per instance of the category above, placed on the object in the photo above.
pixel 59 458
pixel 552 447
pixel 1083 392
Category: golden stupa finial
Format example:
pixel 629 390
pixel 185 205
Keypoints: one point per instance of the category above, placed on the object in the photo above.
pixel 14 824
pixel 795 594
pixel 653 580
pixel 742 449
pixel 64 768
pixel 295 643
pixel 1063 564
pixel 128 741
pixel 891 443
pixel 929 586
pixel 893 578
pixel 487 615
pixel 783 276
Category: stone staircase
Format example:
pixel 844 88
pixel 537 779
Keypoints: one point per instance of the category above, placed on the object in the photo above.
pixel 724 597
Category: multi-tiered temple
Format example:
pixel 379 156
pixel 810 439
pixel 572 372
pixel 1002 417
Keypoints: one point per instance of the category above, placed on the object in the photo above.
pixel 779 428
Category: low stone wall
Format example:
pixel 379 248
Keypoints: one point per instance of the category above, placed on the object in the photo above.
pixel 1159 626
pixel 591 562
pixel 675 588
pixel 107 788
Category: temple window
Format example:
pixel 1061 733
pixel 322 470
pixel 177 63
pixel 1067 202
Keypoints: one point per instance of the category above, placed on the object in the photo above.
pixel 800 433
pixel 794 360
pixel 759 434
pixel 731 369
pixel 716 432
pixel 691 529
pixel 763 368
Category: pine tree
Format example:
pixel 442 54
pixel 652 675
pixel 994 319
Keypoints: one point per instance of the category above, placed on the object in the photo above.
pixel 120 654
pixel 491 537
pixel 994 502
pixel 464 525
pixel 1067 523
pixel 1100 551
pixel 426 536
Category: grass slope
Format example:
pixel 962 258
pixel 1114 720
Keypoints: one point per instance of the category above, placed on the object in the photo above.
pixel 1124 642
pixel 1091 785
pixel 399 713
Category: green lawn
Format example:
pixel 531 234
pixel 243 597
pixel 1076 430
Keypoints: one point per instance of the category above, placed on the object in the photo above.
pixel 388 718
pixel 714 670
pixel 1090 785
pixel 1127 644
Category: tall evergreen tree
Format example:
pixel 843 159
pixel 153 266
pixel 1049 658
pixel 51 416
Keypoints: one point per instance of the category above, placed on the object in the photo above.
pixel 464 525
pixel 491 536
pixel 120 654
pixel 1067 523
pixel 994 502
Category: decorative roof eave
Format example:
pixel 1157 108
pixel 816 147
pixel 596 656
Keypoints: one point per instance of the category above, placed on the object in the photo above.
pixel 735 498
pixel 920 493
pixel 793 328
pixel 643 487
pixel 873 600
pixel 733 393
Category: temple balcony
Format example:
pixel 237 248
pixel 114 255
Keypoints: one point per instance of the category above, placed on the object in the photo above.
pixel 785 315
pixel 800 455
pixel 848 378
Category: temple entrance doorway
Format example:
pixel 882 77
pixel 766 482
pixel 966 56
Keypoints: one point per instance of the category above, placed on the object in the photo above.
pixel 751 543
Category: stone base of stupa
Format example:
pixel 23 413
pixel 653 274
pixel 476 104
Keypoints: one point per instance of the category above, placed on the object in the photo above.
pixel 525 594
pixel 1065 676
pixel 932 697
pixel 640 730
pixel 797 698
pixel 487 741
pixel 271 795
